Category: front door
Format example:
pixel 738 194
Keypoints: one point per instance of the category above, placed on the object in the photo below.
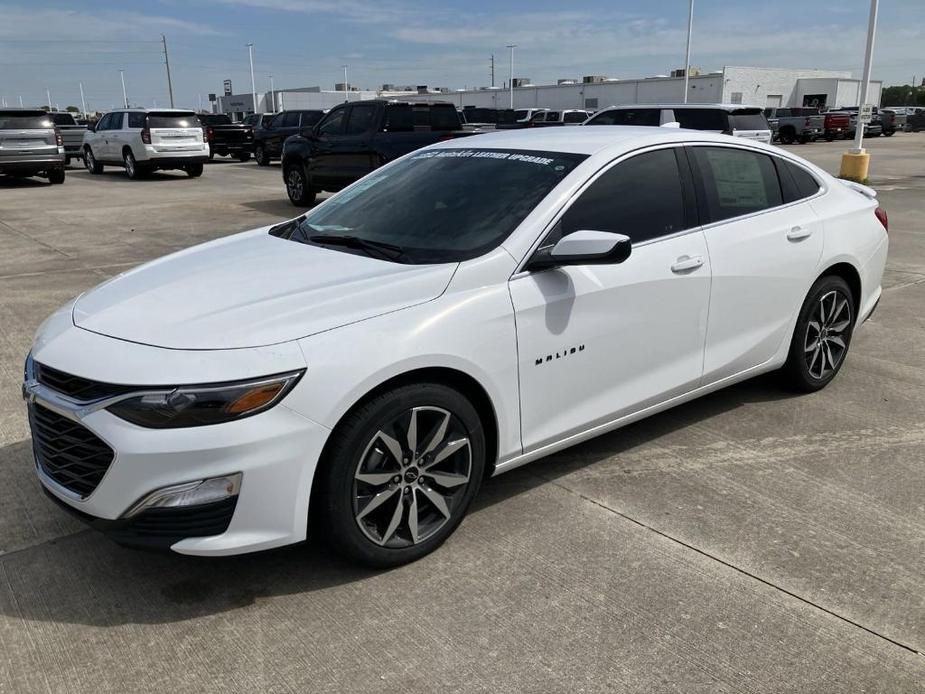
pixel 598 342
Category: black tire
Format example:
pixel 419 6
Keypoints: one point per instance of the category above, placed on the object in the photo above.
pixel 888 133
pixel 260 156
pixel 211 155
pixel 805 139
pixel 56 175
pixel 244 156
pixel 298 188
pixel 194 170
pixel 816 335
pixel 90 162
pixel 829 138
pixel 787 136
pixel 356 442
pixel 132 170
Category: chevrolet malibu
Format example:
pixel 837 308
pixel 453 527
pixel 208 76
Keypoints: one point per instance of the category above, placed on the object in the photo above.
pixel 356 372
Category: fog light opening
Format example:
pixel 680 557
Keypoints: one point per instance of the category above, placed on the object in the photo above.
pixel 196 493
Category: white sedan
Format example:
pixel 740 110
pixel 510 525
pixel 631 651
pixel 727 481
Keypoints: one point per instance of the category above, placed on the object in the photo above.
pixel 357 372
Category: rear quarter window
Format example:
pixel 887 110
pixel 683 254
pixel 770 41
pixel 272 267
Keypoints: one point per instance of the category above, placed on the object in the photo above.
pixel 703 119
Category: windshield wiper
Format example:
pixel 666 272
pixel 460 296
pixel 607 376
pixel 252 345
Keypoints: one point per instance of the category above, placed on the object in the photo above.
pixel 389 251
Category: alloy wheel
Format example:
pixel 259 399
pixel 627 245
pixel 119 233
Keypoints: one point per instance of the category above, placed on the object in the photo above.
pixel 295 184
pixel 827 334
pixel 411 477
pixel 130 165
pixel 89 162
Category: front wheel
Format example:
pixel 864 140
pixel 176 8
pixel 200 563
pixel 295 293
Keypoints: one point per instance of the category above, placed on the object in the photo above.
pixel 244 156
pixel 821 336
pixel 888 133
pixel 400 473
pixel 260 156
pixel 298 189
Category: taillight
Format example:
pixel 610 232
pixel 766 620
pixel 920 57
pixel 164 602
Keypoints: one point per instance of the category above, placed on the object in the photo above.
pixel 209 134
pixel 58 139
pixel 882 217
pixel 146 136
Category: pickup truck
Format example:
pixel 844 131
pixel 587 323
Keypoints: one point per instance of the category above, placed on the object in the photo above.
pixel 71 132
pixel 789 125
pixel 356 138
pixel 872 129
pixel 837 124
pixel 226 138
pixel 269 139
pixel 30 145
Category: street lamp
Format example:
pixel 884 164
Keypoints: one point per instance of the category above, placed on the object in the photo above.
pixel 346 93
pixel 124 96
pixel 687 60
pixel 512 46
pixel 250 53
pixel 855 163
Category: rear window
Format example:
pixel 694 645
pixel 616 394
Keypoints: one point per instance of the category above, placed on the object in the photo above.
pixel 399 118
pixel 705 119
pixel 552 116
pixel 214 119
pixel 520 114
pixel 63 119
pixel 31 120
pixel 575 117
pixel 629 116
pixel 173 120
pixel 436 117
pixel 748 120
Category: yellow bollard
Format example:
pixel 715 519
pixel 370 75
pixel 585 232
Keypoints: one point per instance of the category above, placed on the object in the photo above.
pixel 855 165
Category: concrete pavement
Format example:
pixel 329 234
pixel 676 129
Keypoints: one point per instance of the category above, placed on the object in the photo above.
pixel 752 541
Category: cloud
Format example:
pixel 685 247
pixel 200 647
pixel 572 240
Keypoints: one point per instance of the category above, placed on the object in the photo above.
pixel 70 24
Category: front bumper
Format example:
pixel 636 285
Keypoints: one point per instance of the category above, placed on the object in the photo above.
pixel 275 451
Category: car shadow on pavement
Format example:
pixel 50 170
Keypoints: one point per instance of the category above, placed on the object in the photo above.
pixel 84 578
pixel 22 182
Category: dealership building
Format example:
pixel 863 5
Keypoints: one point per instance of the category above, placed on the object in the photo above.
pixel 752 86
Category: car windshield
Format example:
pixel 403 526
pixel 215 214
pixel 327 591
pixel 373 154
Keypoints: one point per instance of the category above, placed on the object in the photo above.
pixel 440 205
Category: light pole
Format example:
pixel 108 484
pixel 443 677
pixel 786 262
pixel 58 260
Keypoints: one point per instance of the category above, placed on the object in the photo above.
pixel 346 93
pixel 272 94
pixel 687 59
pixel 83 102
pixel 48 94
pixel 250 53
pixel 124 96
pixel 855 163
pixel 512 46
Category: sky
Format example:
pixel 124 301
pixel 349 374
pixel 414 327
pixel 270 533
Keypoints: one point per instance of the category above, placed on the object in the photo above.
pixel 56 45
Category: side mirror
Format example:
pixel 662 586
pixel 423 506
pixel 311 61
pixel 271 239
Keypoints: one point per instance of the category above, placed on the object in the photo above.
pixel 585 247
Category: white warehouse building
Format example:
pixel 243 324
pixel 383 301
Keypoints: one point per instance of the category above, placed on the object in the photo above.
pixel 752 86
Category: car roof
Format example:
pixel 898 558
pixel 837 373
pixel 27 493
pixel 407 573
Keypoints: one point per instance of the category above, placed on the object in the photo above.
pixel 591 139
pixel 23 112
pixel 721 107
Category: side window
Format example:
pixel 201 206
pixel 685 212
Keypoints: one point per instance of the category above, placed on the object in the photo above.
pixel 629 116
pixel 103 123
pixel 576 117
pixel 277 121
pixel 116 121
pixel 640 197
pixel 333 124
pixel 552 116
pixel 796 182
pixel 136 120
pixel 361 119
pixel 290 119
pixel 736 182
pixel 702 119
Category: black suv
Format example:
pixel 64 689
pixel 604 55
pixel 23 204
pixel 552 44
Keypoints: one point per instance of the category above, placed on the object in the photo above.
pixel 268 140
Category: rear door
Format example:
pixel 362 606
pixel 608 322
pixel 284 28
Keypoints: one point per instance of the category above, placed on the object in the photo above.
pixel 764 242
pixel 175 132
pixel 25 135
pixel 326 143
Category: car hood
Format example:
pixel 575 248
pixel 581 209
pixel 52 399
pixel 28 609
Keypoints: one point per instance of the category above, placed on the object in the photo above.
pixel 251 290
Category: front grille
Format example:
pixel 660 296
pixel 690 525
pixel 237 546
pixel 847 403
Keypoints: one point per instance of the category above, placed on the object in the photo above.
pixel 70 454
pixel 77 387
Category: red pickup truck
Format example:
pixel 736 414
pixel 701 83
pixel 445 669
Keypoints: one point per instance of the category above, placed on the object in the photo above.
pixel 837 124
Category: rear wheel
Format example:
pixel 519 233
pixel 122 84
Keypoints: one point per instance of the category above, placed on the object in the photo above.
pixel 888 133
pixel 244 156
pixel 260 156
pixel 131 166
pixel 822 335
pixel 194 170
pixel 400 473
pixel 298 189
pixel 90 162
pixel 56 175
pixel 787 136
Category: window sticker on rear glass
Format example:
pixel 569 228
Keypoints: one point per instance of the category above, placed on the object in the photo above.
pixel 484 154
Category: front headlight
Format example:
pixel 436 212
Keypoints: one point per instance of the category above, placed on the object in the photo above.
pixel 196 406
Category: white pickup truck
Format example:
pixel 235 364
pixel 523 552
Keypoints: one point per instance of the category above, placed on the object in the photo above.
pixel 71 132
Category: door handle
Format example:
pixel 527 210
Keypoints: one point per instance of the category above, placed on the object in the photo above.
pixel 686 262
pixel 798 234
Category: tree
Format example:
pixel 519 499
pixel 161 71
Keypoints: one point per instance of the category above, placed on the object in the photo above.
pixel 903 95
pixel 72 109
